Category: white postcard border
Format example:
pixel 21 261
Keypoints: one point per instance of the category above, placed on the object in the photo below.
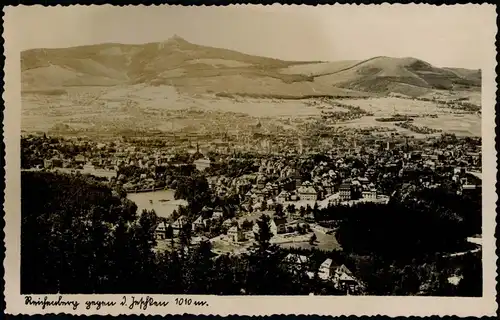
pixel 249 305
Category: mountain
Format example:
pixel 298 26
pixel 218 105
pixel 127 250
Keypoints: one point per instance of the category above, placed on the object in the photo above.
pixel 409 76
pixel 201 69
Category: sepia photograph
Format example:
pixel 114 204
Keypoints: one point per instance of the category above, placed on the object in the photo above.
pixel 253 151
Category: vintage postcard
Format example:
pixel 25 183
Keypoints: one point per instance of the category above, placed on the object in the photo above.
pixel 250 160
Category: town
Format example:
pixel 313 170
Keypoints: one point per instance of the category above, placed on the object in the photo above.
pixel 302 190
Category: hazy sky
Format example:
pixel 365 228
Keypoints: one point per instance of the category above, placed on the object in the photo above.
pixel 455 36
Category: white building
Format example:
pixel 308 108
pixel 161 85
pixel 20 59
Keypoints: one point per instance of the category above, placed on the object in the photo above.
pixel 202 164
pixel 307 193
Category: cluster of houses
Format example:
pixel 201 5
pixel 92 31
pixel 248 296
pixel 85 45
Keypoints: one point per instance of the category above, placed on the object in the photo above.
pixel 78 161
pixel 339 275
pixel 280 192
pixel 278 176
pixel 324 183
pixel 236 231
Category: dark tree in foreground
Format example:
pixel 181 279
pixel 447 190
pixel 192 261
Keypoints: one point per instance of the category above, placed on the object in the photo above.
pixel 76 234
pixel 264 234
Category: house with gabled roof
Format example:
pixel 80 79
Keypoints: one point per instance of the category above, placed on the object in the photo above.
pixel 283 196
pixel 199 223
pixel 179 224
pixel 342 278
pixel 345 280
pixel 161 230
pixel 296 259
pixel 236 234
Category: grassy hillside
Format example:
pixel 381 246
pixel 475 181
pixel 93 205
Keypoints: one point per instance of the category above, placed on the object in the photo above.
pixel 175 62
pixel 194 68
pixel 407 76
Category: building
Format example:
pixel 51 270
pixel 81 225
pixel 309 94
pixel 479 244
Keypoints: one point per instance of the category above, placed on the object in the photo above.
pixel 369 193
pixel 161 231
pixel 199 223
pixel 80 159
pixel 298 179
pixel 470 189
pixel 363 180
pixel 283 197
pixel 474 178
pixel 342 278
pixel 296 258
pixel 198 240
pixel 307 193
pixel 202 164
pixel 345 191
pixel 179 224
pixel 334 200
pixel 236 234
pixel 320 191
pixel 218 214
pixel 472 183
pixel 280 223
pixel 324 271
pixel 327 186
pixel 296 261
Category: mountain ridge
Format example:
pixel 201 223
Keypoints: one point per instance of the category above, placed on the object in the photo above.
pixel 196 68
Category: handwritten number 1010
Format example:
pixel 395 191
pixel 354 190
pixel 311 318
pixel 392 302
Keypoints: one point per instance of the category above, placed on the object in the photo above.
pixel 181 301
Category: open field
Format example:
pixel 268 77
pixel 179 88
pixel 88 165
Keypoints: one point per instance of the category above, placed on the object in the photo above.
pixel 461 125
pixel 471 95
pixel 146 107
pixel 387 106
pixel 164 108
pixel 324 241
pixel 448 120
pixel 274 108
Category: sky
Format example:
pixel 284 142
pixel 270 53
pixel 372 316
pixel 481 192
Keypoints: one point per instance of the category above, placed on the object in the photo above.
pixel 446 36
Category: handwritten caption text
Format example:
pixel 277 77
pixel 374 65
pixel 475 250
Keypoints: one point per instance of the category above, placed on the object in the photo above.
pixel 130 302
